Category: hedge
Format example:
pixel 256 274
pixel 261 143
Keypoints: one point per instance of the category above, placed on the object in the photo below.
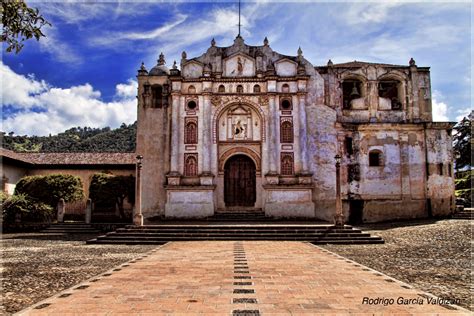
pixel 21 206
pixel 51 188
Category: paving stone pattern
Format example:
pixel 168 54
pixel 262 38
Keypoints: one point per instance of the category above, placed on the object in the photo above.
pixel 206 278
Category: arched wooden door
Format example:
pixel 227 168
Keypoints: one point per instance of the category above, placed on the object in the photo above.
pixel 239 181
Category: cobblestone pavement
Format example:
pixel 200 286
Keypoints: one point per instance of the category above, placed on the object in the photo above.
pixel 431 255
pixel 240 278
pixel 36 266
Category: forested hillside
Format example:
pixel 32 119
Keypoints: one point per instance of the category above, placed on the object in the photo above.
pixel 76 139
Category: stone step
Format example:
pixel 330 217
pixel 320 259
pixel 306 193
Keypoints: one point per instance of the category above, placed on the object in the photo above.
pixel 242 232
pixel 195 238
pixel 237 228
pixel 203 235
pixel 156 242
pixel 71 228
pixel 159 234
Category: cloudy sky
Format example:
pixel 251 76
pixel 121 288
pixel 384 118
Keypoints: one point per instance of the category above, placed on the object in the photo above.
pixel 83 73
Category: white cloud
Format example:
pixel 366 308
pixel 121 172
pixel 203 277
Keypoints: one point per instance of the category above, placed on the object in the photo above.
pixel 20 90
pixel 462 113
pixel 361 13
pixel 42 109
pixel 440 109
pixel 128 90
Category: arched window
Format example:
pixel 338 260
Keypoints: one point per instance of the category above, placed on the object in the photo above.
pixel 157 96
pixel 285 104
pixel 285 88
pixel 389 89
pixel 240 89
pixel 286 132
pixel 256 88
pixel 191 89
pixel 192 105
pixel 221 89
pixel 375 158
pixel 191 133
pixel 190 165
pixel 351 89
pixel 286 162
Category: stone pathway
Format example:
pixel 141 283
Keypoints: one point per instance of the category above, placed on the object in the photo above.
pixel 240 278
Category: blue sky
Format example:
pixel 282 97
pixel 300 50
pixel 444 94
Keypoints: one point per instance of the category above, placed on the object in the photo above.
pixel 83 73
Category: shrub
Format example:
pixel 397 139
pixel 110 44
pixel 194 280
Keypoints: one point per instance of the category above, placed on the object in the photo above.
pixel 51 188
pixel 107 190
pixel 20 205
pixel 3 197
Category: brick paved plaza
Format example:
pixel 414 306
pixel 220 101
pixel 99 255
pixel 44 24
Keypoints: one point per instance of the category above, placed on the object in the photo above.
pixel 264 277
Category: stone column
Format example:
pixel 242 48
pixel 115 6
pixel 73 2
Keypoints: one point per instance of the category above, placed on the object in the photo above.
pixel 303 133
pixel 61 210
pixel 88 211
pixel 174 175
pixel 206 177
pixel 175 134
pixel 272 148
pixel 137 214
pixel 206 133
pixel 296 134
pixel 404 166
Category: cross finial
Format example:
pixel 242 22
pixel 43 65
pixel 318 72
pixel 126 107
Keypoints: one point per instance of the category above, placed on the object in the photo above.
pixel 239 19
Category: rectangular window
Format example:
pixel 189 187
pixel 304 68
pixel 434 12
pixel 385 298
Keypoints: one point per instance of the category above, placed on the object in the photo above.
pixel 191 130
pixel 287 164
pixel 286 130
pixel 349 148
pixel 190 165
pixel 440 169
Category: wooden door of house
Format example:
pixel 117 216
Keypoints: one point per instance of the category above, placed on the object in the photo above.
pixel 239 181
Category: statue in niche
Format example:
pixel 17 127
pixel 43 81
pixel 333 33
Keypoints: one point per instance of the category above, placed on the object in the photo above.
pixel 239 130
pixel 240 66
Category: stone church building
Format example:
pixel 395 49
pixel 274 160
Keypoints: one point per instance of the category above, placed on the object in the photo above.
pixel 244 128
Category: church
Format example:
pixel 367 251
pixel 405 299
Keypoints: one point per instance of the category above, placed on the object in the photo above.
pixel 246 129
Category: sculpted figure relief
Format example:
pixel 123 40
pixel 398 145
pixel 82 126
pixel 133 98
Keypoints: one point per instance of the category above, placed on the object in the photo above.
pixel 240 66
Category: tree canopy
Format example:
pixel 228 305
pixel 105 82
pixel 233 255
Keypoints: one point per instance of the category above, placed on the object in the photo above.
pixel 20 23
pixel 462 141
pixel 76 139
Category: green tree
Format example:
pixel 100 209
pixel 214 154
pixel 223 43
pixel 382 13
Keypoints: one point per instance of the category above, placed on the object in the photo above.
pixel 462 141
pixel 20 23
pixel 109 190
pixel 51 188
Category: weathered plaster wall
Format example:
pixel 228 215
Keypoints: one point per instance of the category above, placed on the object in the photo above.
pixel 153 144
pixel 11 174
pixel 440 185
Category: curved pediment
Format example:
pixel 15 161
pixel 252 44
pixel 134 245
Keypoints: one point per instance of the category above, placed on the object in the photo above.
pixel 239 65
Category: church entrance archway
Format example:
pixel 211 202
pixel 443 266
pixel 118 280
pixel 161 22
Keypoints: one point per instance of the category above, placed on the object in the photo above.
pixel 240 181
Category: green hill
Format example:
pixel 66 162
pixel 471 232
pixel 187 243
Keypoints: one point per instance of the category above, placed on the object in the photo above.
pixel 76 139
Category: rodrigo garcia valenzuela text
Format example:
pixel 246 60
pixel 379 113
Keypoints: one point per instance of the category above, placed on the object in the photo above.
pixel 386 301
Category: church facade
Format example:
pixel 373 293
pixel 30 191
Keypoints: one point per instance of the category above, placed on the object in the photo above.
pixel 244 128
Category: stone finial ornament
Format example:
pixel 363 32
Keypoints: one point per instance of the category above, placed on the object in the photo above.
pixel 265 41
pixel 142 70
pixel 330 63
pixel 300 52
pixel 174 65
pixel 161 59
pixel 184 55
pixel 412 62
pixel 213 42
